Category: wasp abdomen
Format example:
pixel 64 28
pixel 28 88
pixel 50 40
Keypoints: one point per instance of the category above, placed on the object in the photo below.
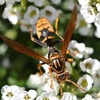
pixel 45 30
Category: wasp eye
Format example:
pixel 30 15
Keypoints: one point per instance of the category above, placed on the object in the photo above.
pixel 63 76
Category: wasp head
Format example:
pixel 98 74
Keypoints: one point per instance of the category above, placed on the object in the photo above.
pixel 62 76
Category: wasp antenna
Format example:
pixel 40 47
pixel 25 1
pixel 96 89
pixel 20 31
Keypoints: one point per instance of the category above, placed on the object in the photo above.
pixel 76 85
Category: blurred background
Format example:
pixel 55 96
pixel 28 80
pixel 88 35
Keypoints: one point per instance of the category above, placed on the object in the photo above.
pixel 15 67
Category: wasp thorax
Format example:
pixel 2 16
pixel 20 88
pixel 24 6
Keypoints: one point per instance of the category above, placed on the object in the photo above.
pixel 62 76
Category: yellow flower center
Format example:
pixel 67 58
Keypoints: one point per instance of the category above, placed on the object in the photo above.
pixel 9 94
pixel 48 13
pixel 84 83
pixel 27 97
pixel 98 76
pixel 88 65
pixel 33 13
pixel 45 98
pixel 82 23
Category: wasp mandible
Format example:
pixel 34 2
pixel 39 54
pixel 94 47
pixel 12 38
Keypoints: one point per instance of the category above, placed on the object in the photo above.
pixel 56 59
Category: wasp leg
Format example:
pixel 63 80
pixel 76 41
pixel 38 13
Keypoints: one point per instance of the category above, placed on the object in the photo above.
pixel 56 26
pixel 39 68
pixel 69 59
pixel 50 73
pixel 72 53
pixel 31 32
pixel 36 40
pixel 68 52
pixel 76 85
pixel 61 89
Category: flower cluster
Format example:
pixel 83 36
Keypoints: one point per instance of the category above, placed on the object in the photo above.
pixel 89 65
pixel 17 93
pixel 91 12
pixel 31 14
pixel 79 50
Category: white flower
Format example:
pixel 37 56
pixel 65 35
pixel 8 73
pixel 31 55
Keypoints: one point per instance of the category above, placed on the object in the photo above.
pixel 47 96
pixel 24 95
pixel 85 82
pixel 88 14
pixel 97 20
pixel 23 27
pixel 68 67
pixel 50 13
pixel 26 27
pixel 56 1
pixel 10 92
pixel 11 14
pixel 43 82
pixel 16 93
pixel 55 86
pixel 3 49
pixel 97 32
pixel 36 80
pixel 97 24
pixel 45 66
pixel 80 21
pixel 76 49
pixel 8 2
pixel 96 78
pixel 98 6
pixel 84 2
pixel 96 95
pixel 68 4
pixel 31 16
pixel 88 51
pixel 2 2
pixel 85 29
pixel 88 97
pixel 6 62
pixel 90 65
pixel 37 2
pixel 68 96
pixel 11 2
pixel 97 99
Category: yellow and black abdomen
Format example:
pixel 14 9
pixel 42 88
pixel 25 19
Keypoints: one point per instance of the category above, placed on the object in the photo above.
pixel 45 31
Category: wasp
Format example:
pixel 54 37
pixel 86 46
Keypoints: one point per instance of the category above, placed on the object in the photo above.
pixel 56 59
pixel 45 34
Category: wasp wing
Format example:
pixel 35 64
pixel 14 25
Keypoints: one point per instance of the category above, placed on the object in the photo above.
pixel 69 31
pixel 23 49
